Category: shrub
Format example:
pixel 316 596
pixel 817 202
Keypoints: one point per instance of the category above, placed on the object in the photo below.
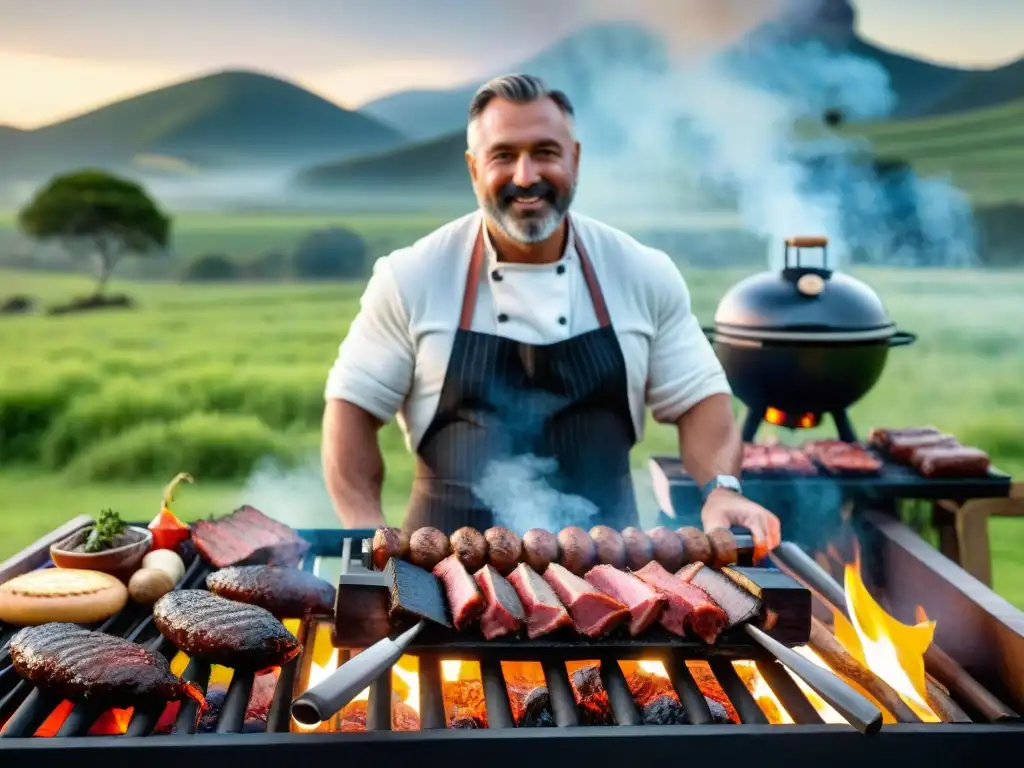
pixel 335 253
pixel 29 405
pixel 211 268
pixel 215 446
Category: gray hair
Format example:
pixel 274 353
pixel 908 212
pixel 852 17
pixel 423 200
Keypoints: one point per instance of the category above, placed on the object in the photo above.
pixel 517 88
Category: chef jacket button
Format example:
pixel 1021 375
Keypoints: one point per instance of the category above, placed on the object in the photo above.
pixel 502 318
pixel 562 321
pixel 561 269
pixel 496 276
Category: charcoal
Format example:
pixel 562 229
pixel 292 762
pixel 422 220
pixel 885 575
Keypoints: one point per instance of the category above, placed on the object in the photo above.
pixel 719 714
pixel 595 710
pixel 587 681
pixel 466 721
pixel 536 710
pixel 665 710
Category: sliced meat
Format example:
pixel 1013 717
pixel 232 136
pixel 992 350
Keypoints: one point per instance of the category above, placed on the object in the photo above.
pixel 544 611
pixel 76 664
pixel 247 537
pixel 688 608
pixel 593 612
pixel 288 593
pixel 504 612
pixel 222 631
pixel 643 601
pixel 464 598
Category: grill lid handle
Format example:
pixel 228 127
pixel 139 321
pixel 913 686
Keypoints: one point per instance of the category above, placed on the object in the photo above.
pixel 794 270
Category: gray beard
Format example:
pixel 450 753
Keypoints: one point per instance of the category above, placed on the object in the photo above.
pixel 531 230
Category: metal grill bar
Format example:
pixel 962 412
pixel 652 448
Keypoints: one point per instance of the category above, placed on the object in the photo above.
pixel 80 720
pixel 279 717
pixel 789 693
pixel 378 708
pixel 10 703
pixel 499 710
pixel 30 715
pixel 619 697
pixel 745 704
pixel 560 695
pixel 432 715
pixel 144 721
pixel 197 672
pixel 690 696
pixel 231 717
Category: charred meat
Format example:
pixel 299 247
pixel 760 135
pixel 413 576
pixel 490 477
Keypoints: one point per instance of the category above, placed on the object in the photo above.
pixel 222 631
pixel 288 593
pixel 248 537
pixel 688 608
pixel 77 664
pixel 504 612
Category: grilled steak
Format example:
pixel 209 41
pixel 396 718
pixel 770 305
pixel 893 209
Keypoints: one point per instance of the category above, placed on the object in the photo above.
pixel 464 598
pixel 644 601
pixel 593 612
pixel 77 664
pixel 221 631
pixel 544 612
pixel 288 593
pixel 688 607
pixel 248 537
pixel 504 612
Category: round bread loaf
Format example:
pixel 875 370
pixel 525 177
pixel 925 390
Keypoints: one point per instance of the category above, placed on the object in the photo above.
pixel 61 594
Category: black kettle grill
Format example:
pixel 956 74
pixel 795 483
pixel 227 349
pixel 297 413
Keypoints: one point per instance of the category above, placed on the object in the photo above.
pixel 802 342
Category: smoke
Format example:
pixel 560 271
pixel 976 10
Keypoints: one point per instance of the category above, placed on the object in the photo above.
pixel 519 492
pixel 297 496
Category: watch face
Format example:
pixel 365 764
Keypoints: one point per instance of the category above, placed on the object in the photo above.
pixel 728 482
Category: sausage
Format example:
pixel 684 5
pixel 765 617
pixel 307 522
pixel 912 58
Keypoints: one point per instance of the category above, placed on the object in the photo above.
pixel 723 547
pixel 503 549
pixel 388 543
pixel 668 548
pixel 639 548
pixel 428 547
pixel 959 461
pixel 470 546
pixel 540 549
pixel 696 546
pixel 578 554
pixel 608 546
pixel 902 449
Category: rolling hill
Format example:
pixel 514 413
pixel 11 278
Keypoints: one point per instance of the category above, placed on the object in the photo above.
pixel 217 121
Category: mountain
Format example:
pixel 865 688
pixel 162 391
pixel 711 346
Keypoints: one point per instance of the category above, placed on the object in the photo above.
pixel 229 119
pixel 574 64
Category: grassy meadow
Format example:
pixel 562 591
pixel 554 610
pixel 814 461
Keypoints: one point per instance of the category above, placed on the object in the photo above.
pixel 100 410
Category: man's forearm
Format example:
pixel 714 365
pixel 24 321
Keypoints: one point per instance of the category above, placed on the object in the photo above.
pixel 352 463
pixel 709 440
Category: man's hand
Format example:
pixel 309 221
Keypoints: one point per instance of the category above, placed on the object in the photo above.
pixel 726 508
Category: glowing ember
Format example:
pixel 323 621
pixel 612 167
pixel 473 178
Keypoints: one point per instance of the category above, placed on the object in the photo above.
pixel 891 649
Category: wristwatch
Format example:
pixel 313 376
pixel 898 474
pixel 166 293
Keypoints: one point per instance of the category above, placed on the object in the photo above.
pixel 727 482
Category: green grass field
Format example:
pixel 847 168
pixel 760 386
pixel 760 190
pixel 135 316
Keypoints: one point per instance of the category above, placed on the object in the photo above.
pixel 101 410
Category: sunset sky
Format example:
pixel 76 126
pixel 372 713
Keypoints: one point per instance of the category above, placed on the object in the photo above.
pixel 62 57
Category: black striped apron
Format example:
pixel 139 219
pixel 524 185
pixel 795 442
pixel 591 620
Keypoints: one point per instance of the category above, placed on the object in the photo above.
pixel 506 406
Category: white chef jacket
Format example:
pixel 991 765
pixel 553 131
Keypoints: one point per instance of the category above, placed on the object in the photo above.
pixel 394 358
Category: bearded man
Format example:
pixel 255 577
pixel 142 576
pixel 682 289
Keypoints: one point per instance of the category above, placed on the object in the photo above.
pixel 521 330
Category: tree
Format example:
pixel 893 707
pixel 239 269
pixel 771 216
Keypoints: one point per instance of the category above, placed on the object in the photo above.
pixel 211 267
pixel 335 253
pixel 95 214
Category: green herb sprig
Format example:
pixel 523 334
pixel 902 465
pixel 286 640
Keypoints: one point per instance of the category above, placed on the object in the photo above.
pixel 107 528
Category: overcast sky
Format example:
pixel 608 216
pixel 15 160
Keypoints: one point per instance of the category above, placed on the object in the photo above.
pixel 60 57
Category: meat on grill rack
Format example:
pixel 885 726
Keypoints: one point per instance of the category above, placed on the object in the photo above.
pixel 77 664
pixel 288 593
pixel 221 631
pixel 248 537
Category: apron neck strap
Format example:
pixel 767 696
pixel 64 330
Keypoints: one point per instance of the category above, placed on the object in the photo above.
pixel 476 264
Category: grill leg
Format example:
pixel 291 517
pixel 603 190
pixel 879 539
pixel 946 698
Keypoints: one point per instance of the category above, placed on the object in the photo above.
pixel 844 428
pixel 752 423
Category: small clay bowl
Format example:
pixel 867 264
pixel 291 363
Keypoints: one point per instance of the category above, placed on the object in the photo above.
pixel 121 561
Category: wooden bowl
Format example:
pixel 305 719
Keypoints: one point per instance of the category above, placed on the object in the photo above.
pixel 121 561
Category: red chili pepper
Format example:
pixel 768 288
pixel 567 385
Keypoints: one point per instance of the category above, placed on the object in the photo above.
pixel 168 531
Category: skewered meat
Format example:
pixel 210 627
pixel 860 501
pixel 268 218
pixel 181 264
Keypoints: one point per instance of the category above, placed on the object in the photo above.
pixel 608 546
pixel 428 547
pixel 578 553
pixel 544 611
pixel 642 600
pixel 593 612
pixel 76 664
pixel 540 548
pixel 946 461
pixel 388 543
pixel 504 612
pixel 639 548
pixel 222 631
pixel 288 593
pixel 470 546
pixel 503 549
pixel 688 607
pixel 464 598
pixel 248 537
pixel 668 548
pixel 697 546
pixel 723 548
